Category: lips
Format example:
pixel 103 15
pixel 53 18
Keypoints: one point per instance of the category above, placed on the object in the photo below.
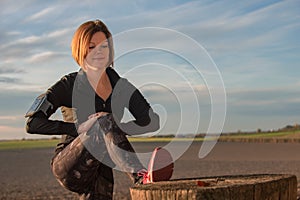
pixel 99 58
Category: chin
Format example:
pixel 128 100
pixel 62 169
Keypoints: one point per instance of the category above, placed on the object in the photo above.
pixel 100 65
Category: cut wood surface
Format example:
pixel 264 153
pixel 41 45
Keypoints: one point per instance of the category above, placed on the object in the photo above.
pixel 254 187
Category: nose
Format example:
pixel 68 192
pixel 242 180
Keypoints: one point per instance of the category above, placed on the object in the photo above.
pixel 99 48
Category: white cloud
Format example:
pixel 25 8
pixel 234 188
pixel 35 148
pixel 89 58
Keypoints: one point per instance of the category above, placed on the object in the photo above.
pixel 266 97
pixel 28 40
pixel 9 7
pixel 234 30
pixel 23 87
pixel 9 132
pixel 13 33
pixel 156 88
pixel 45 56
pixel 254 43
pixel 56 34
pixel 41 14
pixel 10 118
pixel 51 37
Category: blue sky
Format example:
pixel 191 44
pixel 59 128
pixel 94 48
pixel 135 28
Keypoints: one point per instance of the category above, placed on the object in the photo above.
pixel 254 44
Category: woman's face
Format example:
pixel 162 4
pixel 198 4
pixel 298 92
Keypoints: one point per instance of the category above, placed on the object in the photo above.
pixel 98 53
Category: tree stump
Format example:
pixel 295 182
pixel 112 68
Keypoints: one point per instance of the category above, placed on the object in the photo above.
pixel 252 187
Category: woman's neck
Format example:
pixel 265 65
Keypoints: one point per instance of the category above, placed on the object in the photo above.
pixel 97 77
pixel 100 82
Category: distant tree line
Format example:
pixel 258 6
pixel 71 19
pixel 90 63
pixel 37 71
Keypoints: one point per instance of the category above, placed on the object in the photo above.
pixel 295 127
pixel 287 128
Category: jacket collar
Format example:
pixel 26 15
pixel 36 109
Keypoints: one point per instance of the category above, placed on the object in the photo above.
pixel 82 80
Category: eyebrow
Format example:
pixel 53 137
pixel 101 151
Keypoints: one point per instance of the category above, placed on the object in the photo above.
pixel 95 43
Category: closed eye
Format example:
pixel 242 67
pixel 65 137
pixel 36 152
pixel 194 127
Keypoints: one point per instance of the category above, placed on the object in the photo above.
pixel 104 46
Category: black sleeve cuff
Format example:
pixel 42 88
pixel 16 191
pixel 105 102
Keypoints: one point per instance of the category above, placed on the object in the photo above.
pixel 69 129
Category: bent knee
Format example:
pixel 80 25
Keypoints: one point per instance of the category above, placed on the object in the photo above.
pixel 72 181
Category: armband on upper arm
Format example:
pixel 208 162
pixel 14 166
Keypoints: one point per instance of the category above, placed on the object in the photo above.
pixel 40 104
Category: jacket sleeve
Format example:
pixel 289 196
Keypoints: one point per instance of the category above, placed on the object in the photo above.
pixel 60 94
pixel 146 120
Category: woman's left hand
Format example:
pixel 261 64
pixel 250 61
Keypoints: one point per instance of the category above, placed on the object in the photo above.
pixel 98 114
pixel 85 126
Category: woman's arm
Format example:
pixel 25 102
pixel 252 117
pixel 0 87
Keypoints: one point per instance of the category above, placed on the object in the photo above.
pixel 40 124
pixel 58 95
pixel 146 120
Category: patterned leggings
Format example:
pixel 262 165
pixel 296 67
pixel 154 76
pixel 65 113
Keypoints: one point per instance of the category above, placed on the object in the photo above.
pixel 85 165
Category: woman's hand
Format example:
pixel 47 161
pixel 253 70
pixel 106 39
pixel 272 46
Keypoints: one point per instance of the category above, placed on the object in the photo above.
pixel 98 114
pixel 85 126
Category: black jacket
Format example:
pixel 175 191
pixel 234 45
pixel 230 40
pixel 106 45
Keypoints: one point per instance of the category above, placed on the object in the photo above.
pixel 74 91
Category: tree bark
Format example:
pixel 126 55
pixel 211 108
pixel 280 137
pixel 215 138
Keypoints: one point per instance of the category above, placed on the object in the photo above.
pixel 252 187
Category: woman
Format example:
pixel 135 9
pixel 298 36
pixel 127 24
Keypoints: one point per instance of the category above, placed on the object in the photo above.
pixel 93 139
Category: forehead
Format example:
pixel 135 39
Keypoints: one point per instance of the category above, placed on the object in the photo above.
pixel 98 37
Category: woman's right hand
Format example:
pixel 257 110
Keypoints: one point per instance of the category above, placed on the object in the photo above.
pixel 85 126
